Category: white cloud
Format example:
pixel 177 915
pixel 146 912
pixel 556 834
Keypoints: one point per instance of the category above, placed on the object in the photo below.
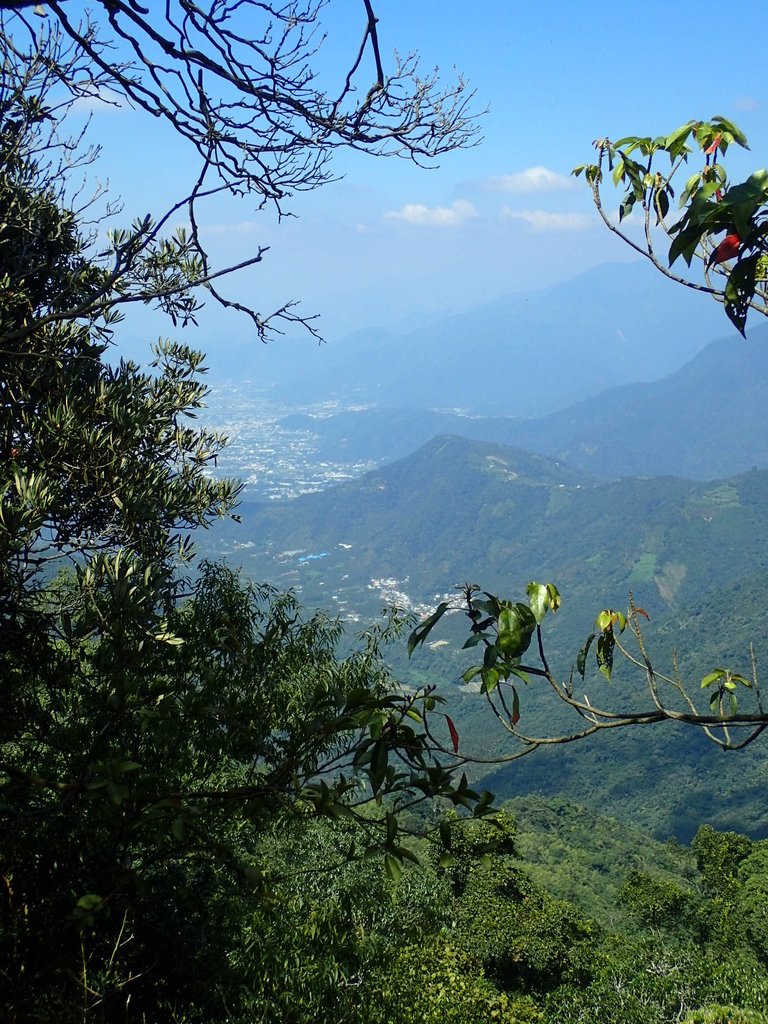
pixel 435 216
pixel 533 179
pixel 746 104
pixel 543 220
pixel 243 227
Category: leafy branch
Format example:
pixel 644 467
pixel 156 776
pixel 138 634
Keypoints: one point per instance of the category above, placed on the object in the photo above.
pixel 504 631
pixel 733 270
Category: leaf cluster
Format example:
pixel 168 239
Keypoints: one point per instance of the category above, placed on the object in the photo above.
pixel 709 202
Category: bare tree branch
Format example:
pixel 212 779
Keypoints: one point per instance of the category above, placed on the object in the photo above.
pixel 237 82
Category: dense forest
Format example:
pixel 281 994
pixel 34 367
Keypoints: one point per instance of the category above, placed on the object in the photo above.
pixel 216 806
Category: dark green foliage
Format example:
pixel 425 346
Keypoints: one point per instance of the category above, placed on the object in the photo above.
pixel 719 856
pixel 751 904
pixel 724 1015
pixel 669 959
pixel 587 858
pixel 658 903
pixel 154 726
pixel 150 766
pixel 439 982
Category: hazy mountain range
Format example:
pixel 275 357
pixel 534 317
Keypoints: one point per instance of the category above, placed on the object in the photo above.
pixel 527 354
pixel 705 420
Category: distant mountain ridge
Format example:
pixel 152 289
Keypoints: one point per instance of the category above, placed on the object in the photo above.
pixel 458 507
pixel 704 421
pixel 525 354
pixel 522 497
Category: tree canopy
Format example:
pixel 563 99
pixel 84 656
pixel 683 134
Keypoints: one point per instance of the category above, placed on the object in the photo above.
pixel 157 718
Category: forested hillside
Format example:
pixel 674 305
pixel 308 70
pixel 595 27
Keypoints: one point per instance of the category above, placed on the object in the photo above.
pixel 689 552
pixel 509 515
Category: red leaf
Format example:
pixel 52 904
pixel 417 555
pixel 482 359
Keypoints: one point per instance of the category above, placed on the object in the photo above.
pixel 454 734
pixel 726 250
pixel 643 612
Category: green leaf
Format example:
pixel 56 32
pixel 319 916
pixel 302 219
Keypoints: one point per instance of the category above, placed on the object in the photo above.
pixel 169 638
pixel 516 625
pixel 685 243
pixel 90 902
pixel 490 656
pixel 740 290
pixel 605 648
pixel 515 670
pixel 630 142
pixel 608 618
pixel 712 677
pixel 515 716
pixel 490 677
pixel 675 142
pixel 393 867
pixel 542 597
pixel 391 828
pixel 379 760
pixel 738 135
pixel 625 208
pixel 581 657
pixel 422 631
pixel 539 600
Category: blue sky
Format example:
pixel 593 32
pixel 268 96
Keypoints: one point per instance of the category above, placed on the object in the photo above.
pixel 389 243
